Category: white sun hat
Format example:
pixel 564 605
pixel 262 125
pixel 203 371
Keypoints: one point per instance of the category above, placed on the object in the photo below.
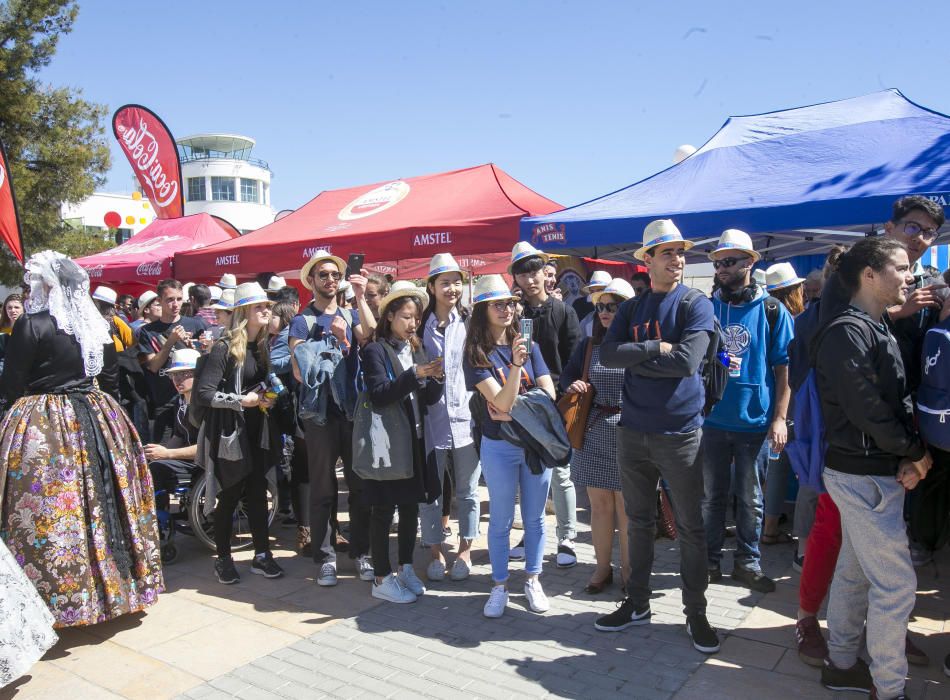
pixel 215 292
pixel 145 299
pixel 781 275
pixel 657 233
pixel 734 240
pixel 522 250
pixel 491 288
pixel 250 293
pixel 318 257
pixel 618 287
pixel 276 283
pixel 182 360
pixel 402 288
pixel 227 281
pixel 598 280
pixel 105 294
pixel 442 263
pixel 226 302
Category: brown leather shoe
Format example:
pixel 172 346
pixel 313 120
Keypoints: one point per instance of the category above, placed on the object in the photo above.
pixel 812 648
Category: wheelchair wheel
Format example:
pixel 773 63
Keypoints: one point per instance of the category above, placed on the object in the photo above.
pixel 203 525
pixel 169 553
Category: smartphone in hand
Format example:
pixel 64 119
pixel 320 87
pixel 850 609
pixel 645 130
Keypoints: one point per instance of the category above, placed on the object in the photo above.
pixel 527 326
pixel 354 263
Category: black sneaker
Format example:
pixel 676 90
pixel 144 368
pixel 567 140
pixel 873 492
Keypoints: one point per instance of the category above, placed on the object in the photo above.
pixel 626 615
pixel 754 580
pixel 946 665
pixel 225 571
pixel 703 636
pixel 714 574
pixel 265 565
pixel 856 679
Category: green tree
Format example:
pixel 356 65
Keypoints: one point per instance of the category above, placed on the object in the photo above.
pixel 54 139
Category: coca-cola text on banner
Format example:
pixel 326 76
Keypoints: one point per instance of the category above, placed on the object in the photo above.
pixel 9 219
pixel 151 150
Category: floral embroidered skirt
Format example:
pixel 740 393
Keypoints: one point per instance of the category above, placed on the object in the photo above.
pixel 77 510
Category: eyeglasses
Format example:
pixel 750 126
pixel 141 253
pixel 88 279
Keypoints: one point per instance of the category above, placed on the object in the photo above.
pixel 182 376
pixel 325 274
pixel 503 306
pixel 726 262
pixel 610 308
pixel 912 228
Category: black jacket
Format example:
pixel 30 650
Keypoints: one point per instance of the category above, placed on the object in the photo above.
pixel 865 398
pixel 556 331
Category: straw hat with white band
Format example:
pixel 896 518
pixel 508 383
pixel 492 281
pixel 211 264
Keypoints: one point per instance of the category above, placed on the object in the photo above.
pixel 226 302
pixel 105 294
pixel 598 280
pixel 400 289
pixel 182 361
pixel 618 287
pixel 146 299
pixel 491 288
pixel 733 240
pixel 523 250
pixel 442 263
pixel 780 276
pixel 319 257
pixel 660 232
pixel 227 281
pixel 248 294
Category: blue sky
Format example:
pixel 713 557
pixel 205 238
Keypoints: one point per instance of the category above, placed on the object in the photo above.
pixel 575 99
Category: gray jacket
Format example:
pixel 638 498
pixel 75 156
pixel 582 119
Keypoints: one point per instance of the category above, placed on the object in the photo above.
pixel 537 427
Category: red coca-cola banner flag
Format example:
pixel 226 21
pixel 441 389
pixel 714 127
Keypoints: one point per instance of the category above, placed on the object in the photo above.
pixel 9 221
pixel 151 150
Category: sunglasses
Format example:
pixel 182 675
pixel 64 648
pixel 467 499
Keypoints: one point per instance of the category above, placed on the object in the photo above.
pixel 726 262
pixel 912 228
pixel 610 308
pixel 502 306
pixel 330 275
pixel 182 376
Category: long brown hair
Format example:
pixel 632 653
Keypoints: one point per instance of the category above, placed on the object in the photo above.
pixel 5 321
pixel 384 329
pixel 237 340
pixel 479 341
pixel 792 298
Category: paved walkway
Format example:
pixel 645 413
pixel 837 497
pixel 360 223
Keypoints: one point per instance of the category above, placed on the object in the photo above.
pixel 291 639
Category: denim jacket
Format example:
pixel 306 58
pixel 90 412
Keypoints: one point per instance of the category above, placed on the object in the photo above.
pixel 537 427
pixel 280 353
pixel 324 376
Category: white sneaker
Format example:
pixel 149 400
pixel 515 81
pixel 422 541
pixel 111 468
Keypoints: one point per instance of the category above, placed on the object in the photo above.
pixel 393 591
pixel 537 601
pixel 566 557
pixel 364 568
pixel 497 602
pixel 408 579
pixel 327 575
pixel 436 570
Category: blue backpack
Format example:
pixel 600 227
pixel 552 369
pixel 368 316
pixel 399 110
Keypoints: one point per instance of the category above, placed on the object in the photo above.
pixel 933 395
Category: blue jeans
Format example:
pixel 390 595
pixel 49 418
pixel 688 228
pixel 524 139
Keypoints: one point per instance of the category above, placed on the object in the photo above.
pixel 874 587
pixel 505 468
pixel 465 465
pixel 720 449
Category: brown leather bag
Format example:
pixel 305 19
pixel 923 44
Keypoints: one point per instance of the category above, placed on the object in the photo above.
pixel 575 408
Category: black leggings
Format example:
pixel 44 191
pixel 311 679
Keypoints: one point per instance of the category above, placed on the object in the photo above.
pixel 254 491
pixel 381 521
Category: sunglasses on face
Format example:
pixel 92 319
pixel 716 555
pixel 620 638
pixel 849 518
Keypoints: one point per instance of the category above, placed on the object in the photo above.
pixel 610 308
pixel 329 275
pixel 182 376
pixel 503 306
pixel 726 262
pixel 912 228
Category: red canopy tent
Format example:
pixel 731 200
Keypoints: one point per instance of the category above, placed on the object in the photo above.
pixel 464 212
pixel 146 258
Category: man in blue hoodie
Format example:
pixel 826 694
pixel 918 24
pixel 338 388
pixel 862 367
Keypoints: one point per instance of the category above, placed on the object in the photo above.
pixel 757 331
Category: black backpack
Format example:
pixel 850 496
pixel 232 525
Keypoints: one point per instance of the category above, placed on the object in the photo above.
pixel 930 516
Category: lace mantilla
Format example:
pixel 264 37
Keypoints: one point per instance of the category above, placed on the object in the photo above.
pixel 59 285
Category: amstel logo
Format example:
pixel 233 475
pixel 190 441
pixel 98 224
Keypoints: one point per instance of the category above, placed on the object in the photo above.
pixel 375 201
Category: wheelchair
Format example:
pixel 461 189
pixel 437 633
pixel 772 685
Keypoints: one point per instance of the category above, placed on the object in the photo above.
pixel 187 484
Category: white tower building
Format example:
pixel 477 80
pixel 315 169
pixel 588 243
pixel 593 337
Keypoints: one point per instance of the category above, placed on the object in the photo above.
pixel 220 177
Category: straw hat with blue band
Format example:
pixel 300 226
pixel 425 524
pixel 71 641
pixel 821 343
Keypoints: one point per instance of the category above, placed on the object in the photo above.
pixel 660 232
pixel 248 294
pixel 523 250
pixel 618 287
pixel 146 299
pixel 105 294
pixel 319 257
pixel 780 276
pixel 227 281
pixel 598 280
pixel 491 288
pixel 734 240
pixel 400 289
pixel 442 263
pixel 182 361
pixel 226 302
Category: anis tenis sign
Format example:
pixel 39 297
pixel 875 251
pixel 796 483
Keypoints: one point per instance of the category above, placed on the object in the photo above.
pixel 151 150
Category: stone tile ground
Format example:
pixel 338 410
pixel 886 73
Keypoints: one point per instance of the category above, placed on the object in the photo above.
pixel 292 639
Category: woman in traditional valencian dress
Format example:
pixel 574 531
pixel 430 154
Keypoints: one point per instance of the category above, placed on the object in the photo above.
pixel 76 504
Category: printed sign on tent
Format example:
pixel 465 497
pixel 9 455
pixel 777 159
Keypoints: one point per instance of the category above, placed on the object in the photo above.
pixel 9 221
pixel 151 150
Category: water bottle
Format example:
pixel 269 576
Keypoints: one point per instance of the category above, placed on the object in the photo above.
pixel 773 455
pixel 276 386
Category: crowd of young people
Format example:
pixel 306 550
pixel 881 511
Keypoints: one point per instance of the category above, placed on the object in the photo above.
pixel 422 396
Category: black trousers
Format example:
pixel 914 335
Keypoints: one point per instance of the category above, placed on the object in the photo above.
pixel 381 522
pixel 325 445
pixel 253 489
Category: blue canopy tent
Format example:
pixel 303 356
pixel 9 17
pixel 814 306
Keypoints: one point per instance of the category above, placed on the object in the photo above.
pixel 798 181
